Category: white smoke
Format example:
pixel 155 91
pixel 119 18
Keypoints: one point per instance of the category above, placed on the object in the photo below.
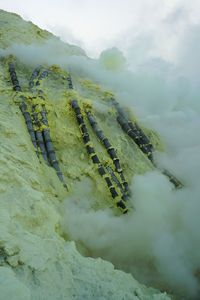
pixel 160 240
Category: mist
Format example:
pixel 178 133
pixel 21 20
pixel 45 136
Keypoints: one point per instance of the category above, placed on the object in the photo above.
pixel 159 241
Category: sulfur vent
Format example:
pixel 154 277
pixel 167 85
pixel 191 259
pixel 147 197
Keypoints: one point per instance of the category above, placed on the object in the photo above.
pixel 53 136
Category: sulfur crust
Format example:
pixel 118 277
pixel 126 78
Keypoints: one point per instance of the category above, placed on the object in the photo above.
pixel 37 261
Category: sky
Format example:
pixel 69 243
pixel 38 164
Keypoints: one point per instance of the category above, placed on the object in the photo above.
pixel 99 24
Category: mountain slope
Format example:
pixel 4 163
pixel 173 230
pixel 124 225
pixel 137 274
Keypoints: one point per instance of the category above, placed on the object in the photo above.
pixel 38 259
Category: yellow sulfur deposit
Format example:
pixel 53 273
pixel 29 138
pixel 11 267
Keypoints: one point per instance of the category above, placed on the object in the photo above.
pixel 37 260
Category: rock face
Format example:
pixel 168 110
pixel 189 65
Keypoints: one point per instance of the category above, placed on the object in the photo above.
pixel 38 261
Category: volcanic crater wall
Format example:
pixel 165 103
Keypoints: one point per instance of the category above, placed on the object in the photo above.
pixel 38 260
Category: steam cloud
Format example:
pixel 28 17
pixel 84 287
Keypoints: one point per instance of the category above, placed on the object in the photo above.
pixel 160 240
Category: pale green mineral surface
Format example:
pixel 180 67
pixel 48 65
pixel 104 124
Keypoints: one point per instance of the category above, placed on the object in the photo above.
pixel 36 259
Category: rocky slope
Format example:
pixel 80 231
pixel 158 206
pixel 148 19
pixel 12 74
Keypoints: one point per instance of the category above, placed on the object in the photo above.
pixel 38 260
